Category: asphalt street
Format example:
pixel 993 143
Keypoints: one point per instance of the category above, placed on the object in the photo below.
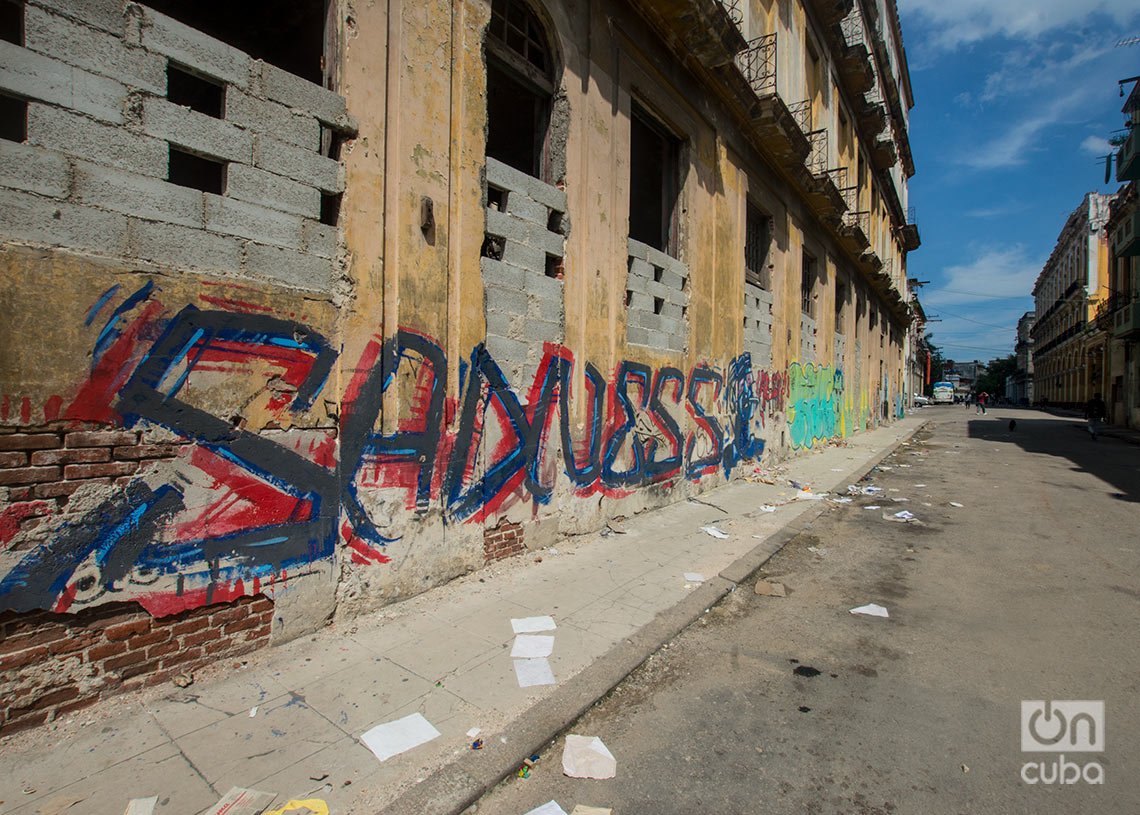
pixel 1030 590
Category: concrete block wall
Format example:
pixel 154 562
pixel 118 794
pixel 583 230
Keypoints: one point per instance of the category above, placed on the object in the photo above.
pixel 758 324
pixel 840 349
pixel 657 299
pixel 522 269
pixel 92 173
pixel 807 339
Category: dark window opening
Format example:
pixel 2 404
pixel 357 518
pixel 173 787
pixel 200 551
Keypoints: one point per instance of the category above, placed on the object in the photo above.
pixel 757 246
pixel 658 274
pixel 189 170
pixel 807 285
pixel 554 267
pixel 183 87
pixel 13 118
pixel 12 21
pixel 554 222
pixel 654 186
pixel 628 298
pixel 331 143
pixel 658 304
pixel 520 87
pixel 840 302
pixel 496 198
pixel 288 35
pixel 330 208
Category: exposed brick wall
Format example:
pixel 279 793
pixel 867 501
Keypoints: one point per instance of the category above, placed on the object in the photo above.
pixel 43 466
pixel 54 663
pixel 505 540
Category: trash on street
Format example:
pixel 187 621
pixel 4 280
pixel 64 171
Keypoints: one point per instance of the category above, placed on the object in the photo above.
pixel 716 533
pixel 587 757
pixel 871 610
pixel 399 736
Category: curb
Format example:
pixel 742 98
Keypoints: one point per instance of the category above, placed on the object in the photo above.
pixel 462 782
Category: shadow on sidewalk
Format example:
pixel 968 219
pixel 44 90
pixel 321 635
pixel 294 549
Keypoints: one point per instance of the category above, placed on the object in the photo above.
pixel 1110 460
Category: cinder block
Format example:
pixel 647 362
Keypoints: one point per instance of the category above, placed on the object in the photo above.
pixel 539 285
pixel 548 309
pixel 102 14
pixel 507 177
pixel 507 226
pixel 540 331
pixel 262 116
pixel 93 50
pixel 32 219
pixel 525 207
pixel 659 258
pixel 546 194
pixel 259 187
pixel 639 271
pixel 639 301
pixel 34 169
pixel 672 311
pixel 672 280
pixel 196 131
pixel 299 269
pixel 523 256
pixel 180 247
pixel 319 239
pixel 191 48
pixel 26 73
pixel 637 249
pixel 75 135
pixel 636 335
pixel 551 243
pixel 508 353
pixel 258 223
pixel 139 195
pixel 295 92
pixel 306 166
pixel 505 301
pixel 496 272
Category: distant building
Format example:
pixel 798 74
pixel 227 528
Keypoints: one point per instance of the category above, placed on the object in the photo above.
pixel 1019 389
pixel 1068 345
pixel 966 374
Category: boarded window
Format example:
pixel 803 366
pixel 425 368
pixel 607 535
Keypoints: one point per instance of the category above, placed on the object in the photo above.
pixel 757 248
pixel 654 183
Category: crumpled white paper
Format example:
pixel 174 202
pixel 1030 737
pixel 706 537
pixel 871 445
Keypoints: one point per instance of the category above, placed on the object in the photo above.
pixel 587 757
pixel 871 610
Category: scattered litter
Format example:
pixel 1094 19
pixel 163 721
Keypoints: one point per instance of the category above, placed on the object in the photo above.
pixel 694 577
pixel 240 801
pixel 899 500
pixel 532 672
pixel 529 625
pixel 184 681
pixel 582 809
pixel 817 550
pixel 530 646
pixel 253 711
pixel 615 528
pixel 806 670
pixel 872 506
pixel 900 516
pixel 808 495
pixel 587 757
pixel 141 806
pixel 399 736
pixel 307 806
pixel 551 550
pixel 919 485
pixel 843 500
pixel 871 489
pixel 549 808
pixel 893 489
pixel 796 484
pixel 885 467
pixel 318 777
pixel 523 772
pixel 837 469
pixel 716 533
pixel 871 610
pixel 965 768
pixel 477 744
pixel 767 589
pixel 927 504
pixel 956 504
pixel 767 508
pixel 473 732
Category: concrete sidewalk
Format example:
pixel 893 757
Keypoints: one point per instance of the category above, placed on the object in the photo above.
pixel 288 719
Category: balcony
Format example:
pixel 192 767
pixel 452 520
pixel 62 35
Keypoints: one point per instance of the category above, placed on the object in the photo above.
pixel 1127 160
pixel 779 128
pixel 872 113
pixel 703 28
pixel 1125 237
pixel 821 184
pixel 854 62
pixel 1126 321
pixel 884 154
pixel 855 229
pixel 908 233
pixel 831 12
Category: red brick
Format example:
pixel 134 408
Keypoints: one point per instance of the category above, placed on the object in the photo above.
pixel 16 459
pixel 101 438
pixel 19 493
pixel 127 659
pixel 22 721
pixel 55 697
pixel 69 645
pixel 145 669
pixel 125 630
pixel 217 646
pixel 106 649
pixel 182 657
pixel 29 441
pixel 261 603
pixel 187 627
pixel 242 625
pixel 144 451
pixel 41 635
pixel 111 470
pixel 76 705
pixel 28 475
pixel 21 659
pixel 162 649
pixel 63 489
pixel 200 637
pixel 87 455
pixel 227 615
pixel 146 640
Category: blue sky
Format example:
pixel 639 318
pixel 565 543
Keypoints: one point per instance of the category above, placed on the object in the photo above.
pixel 1013 102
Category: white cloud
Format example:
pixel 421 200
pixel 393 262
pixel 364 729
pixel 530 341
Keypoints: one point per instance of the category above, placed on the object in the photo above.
pixel 1005 272
pixel 957 23
pixel 1096 146
pixel 1010 148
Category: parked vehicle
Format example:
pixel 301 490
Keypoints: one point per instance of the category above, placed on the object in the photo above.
pixel 943 393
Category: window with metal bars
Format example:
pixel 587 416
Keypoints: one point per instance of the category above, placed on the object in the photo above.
pixel 807 285
pixel 757 247
pixel 654 182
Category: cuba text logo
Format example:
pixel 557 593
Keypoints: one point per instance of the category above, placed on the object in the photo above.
pixel 1062 726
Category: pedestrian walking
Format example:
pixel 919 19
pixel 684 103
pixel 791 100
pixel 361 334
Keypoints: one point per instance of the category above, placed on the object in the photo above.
pixel 981 403
pixel 1095 411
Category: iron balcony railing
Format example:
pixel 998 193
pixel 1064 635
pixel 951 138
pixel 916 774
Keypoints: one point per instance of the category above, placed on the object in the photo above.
pixel 838 176
pixel 850 195
pixel 910 219
pixel 801 112
pixel 758 61
pixel 732 8
pixel 862 220
pixel 854 32
pixel 817 159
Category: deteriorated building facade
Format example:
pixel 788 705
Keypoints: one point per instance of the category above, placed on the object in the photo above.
pixel 312 306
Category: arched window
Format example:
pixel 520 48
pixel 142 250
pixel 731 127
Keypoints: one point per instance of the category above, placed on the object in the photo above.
pixel 520 87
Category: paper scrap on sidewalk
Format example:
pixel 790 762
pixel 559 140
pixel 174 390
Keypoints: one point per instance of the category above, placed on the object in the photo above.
pixel 531 646
pixel 843 500
pixel 532 672
pixel 919 485
pixel 549 808
pixel 529 625
pixel 694 577
pixel 253 711
pixel 240 801
pixel 871 610
pixel 473 732
pixel 582 809
pixel 716 533
pixel 837 469
pixel 142 806
pixel 806 495
pixel 399 736
pixel 767 508
pixel 956 504
pixel 768 589
pixel 872 506
pixel 587 757
pixel 903 516
pixel 306 806
pixel 871 490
